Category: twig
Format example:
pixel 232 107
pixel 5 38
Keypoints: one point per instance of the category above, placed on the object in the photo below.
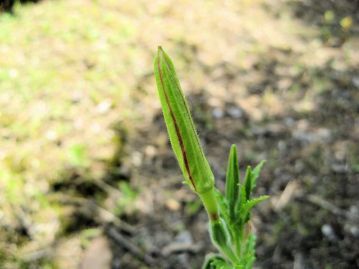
pixel 317 200
pixel 129 246
pixel 180 248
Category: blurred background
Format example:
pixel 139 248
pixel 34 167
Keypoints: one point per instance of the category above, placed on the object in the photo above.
pixel 87 177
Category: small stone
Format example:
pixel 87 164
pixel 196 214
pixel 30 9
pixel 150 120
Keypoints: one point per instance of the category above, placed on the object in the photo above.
pixel 184 237
pixel 340 168
pixel 217 113
pixel 173 205
pixel 235 112
pixel 103 107
pixel 136 158
pixel 328 232
pixel 289 121
pixel 282 146
pixel 355 81
pixel 150 151
pixel 354 231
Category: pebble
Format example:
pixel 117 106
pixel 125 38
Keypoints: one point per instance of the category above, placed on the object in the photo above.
pixel 320 135
pixel 136 158
pixel 217 113
pixel 173 205
pixel 103 107
pixel 235 112
pixel 328 232
pixel 150 151
pixel 354 231
pixel 355 81
pixel 184 237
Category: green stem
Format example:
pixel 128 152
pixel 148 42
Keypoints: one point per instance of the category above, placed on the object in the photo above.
pixel 210 203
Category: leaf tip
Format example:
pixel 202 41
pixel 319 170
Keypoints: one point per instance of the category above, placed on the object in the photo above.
pixel 233 149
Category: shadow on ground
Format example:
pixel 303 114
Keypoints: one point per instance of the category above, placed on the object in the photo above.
pixel 304 123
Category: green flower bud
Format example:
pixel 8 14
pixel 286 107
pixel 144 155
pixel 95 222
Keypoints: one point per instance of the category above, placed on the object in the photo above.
pixel 180 126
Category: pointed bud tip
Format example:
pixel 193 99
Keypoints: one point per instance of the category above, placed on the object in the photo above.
pixel 160 51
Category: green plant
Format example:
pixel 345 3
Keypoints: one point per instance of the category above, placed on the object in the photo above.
pixel 126 202
pixel 229 214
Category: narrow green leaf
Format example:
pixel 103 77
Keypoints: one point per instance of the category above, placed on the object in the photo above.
pixel 219 233
pixel 223 205
pixel 253 202
pixel 255 174
pixel 243 206
pixel 248 183
pixel 232 181
pixel 180 126
pixel 249 252
pixel 246 208
pixel 215 262
pixel 242 199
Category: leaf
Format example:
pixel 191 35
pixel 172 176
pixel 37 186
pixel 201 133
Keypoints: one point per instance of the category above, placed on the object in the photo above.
pixel 223 205
pixel 180 126
pixel 250 180
pixel 214 261
pixel 232 181
pixel 220 234
pixel 253 202
pixel 243 197
pixel 255 174
pixel 247 183
pixel 246 208
pixel 248 257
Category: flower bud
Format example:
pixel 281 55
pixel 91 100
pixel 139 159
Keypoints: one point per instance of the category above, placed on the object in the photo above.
pixel 180 126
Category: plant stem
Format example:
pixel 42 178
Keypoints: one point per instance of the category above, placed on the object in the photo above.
pixel 210 203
